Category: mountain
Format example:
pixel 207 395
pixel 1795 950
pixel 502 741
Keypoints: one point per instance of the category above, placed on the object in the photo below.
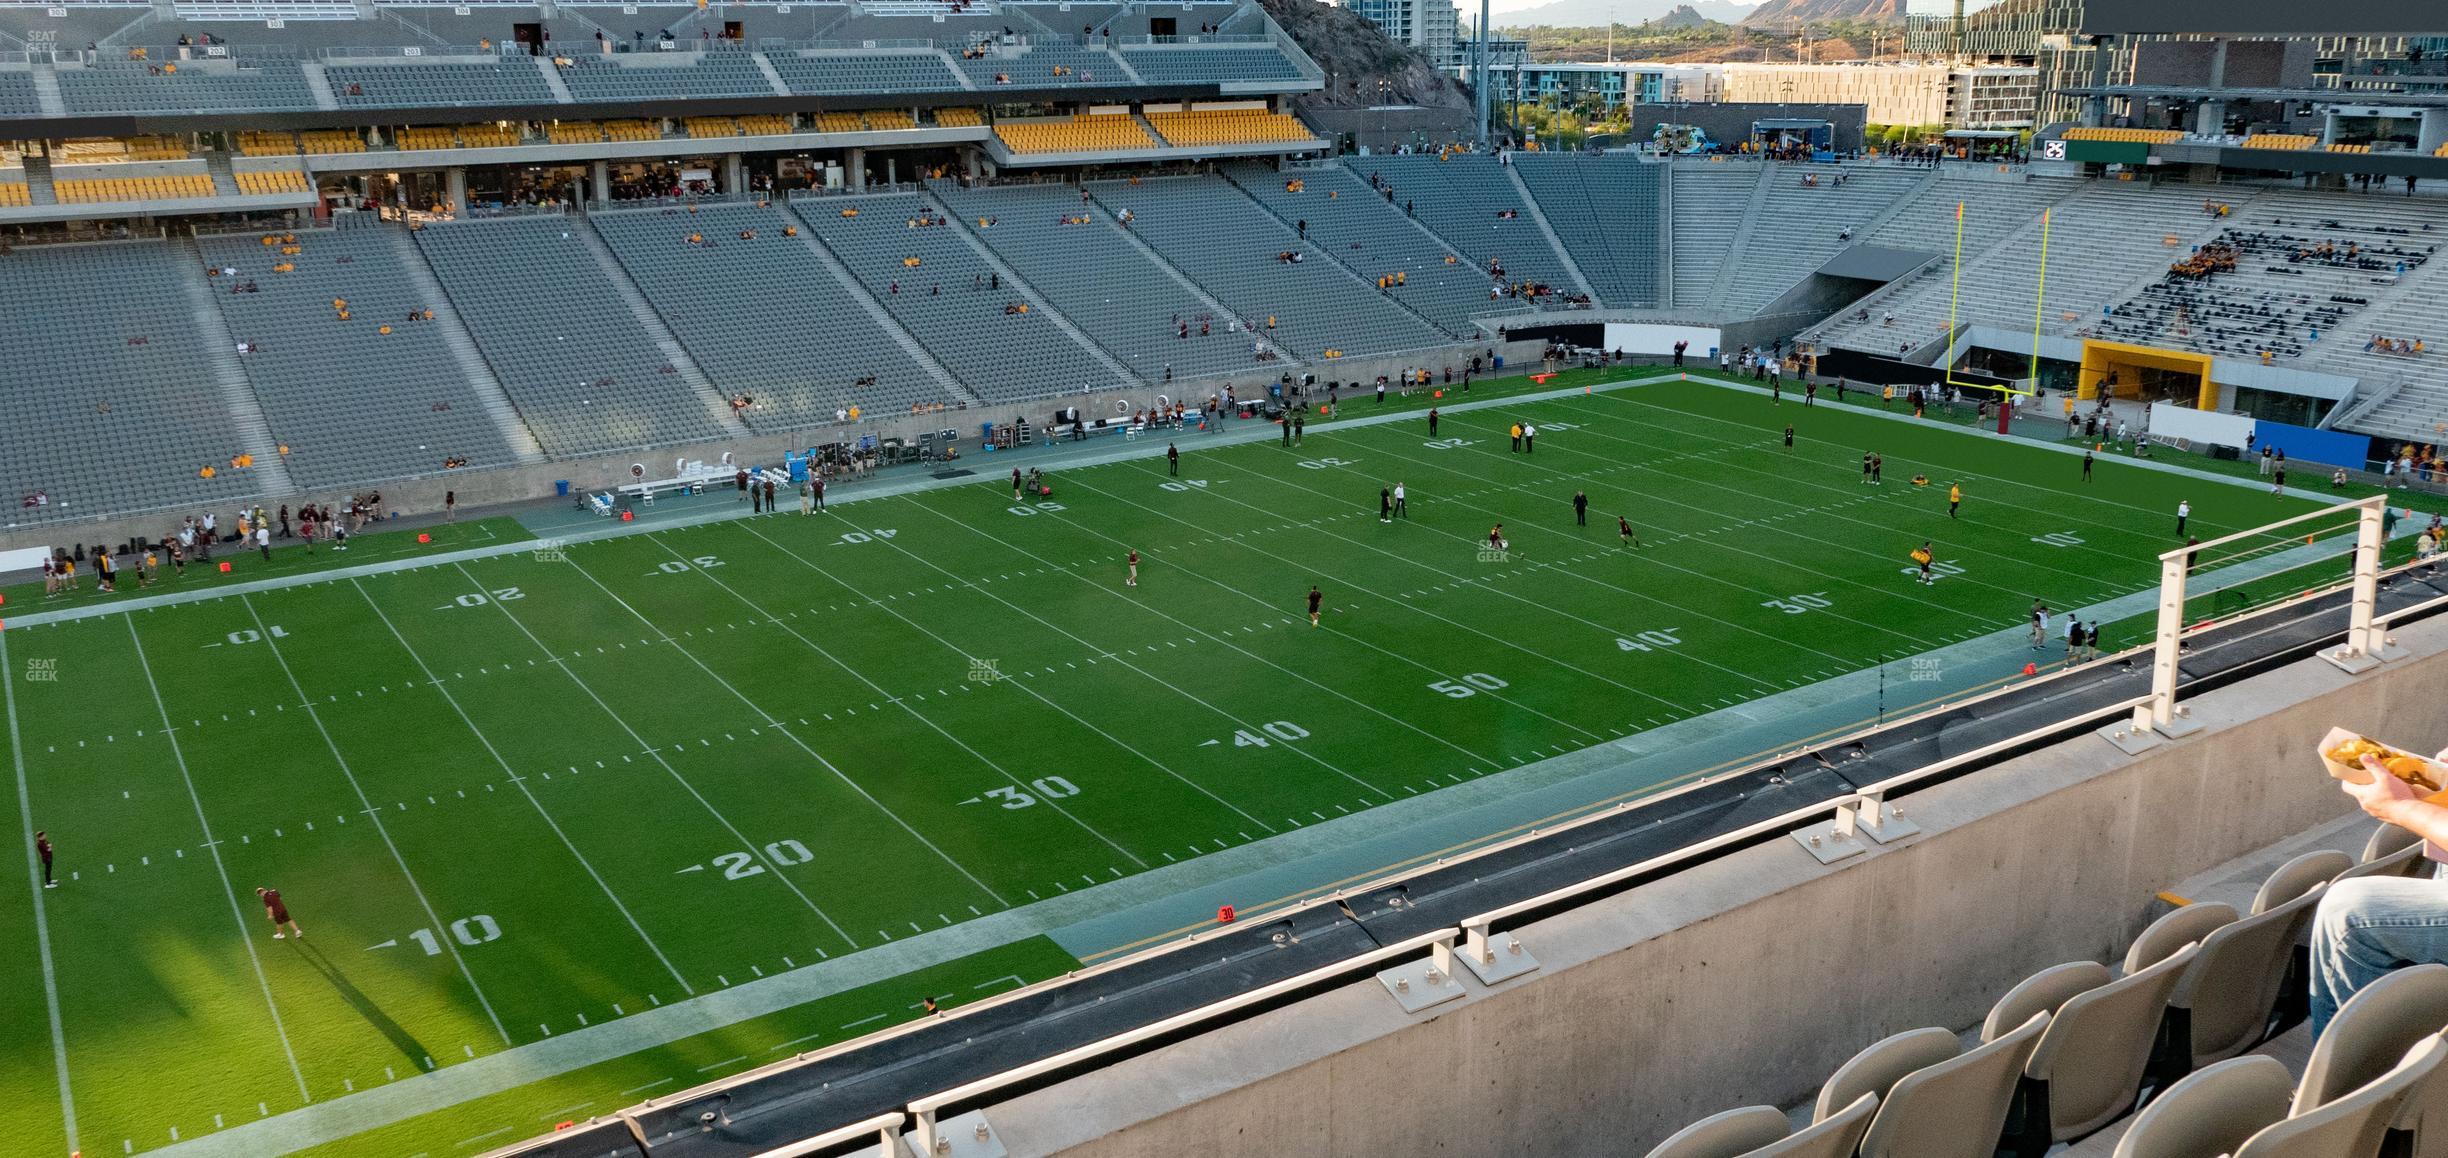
pixel 1789 13
pixel 1596 13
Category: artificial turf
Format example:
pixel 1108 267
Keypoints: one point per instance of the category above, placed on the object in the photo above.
pixel 518 796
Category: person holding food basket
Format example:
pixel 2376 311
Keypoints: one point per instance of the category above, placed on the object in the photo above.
pixel 2368 927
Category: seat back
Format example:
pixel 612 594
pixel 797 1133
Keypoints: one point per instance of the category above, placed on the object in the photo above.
pixel 2371 1032
pixel 2298 876
pixel 2235 980
pixel 2211 1112
pixel 2386 839
pixel 1956 1108
pixel 2098 1044
pixel 2043 992
pixel 2404 862
pixel 1738 1131
pixel 2188 925
pixel 1877 1068
pixel 1836 1136
pixel 2351 1126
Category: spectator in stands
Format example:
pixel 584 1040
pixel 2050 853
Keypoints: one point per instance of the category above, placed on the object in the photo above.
pixel 2367 927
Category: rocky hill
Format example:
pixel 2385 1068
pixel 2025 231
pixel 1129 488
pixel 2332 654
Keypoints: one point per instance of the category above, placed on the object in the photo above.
pixel 1790 13
pixel 1357 57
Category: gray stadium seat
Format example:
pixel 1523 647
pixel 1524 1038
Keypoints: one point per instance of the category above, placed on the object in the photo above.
pixel 1880 1065
pixel 2223 1006
pixel 745 307
pixel 2088 1067
pixel 2043 992
pixel 1605 209
pixel 2189 925
pixel 2405 862
pixel 2372 1031
pixel 1461 198
pixel 2211 1112
pixel 2386 839
pixel 1725 1135
pixel 1956 1108
pixel 2353 1125
pixel 1836 1136
pixel 2299 876
pixel 1351 223
pixel 945 299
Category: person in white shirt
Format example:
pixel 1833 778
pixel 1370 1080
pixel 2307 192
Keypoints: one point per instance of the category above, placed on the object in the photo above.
pixel 2184 510
pixel 1529 438
pixel 263 541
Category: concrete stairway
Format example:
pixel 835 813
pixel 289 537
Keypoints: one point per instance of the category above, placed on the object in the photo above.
pixel 472 365
pixel 245 410
pixel 651 323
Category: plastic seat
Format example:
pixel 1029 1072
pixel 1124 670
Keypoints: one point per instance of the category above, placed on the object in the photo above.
pixel 1836 1136
pixel 2372 1031
pixel 2223 1006
pixel 2386 839
pixel 2353 1125
pixel 1956 1108
pixel 2043 992
pixel 2405 862
pixel 2088 1067
pixel 2301 875
pixel 2191 924
pixel 2210 1113
pixel 1726 1135
pixel 1879 1066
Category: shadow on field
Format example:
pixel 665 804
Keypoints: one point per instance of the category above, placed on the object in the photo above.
pixel 365 1007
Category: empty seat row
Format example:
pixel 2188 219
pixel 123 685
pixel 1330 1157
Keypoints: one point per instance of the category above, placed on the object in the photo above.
pixel 86 192
pixel 254 181
pixel 1195 127
pixel 1081 133
pixel 513 81
pixel 725 73
pixel 219 86
pixel 848 73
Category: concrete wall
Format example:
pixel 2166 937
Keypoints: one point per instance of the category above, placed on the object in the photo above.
pixel 484 488
pixel 1749 979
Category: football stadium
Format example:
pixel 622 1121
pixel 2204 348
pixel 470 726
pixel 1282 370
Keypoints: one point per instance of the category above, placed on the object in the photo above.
pixel 1015 577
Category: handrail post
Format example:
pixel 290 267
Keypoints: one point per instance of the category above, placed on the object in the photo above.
pixel 2366 642
pixel 2157 716
pixel 1492 964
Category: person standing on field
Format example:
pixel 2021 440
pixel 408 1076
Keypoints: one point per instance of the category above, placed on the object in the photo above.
pixel 1623 532
pixel 1789 436
pixel 1173 459
pixel 1133 581
pixel 1315 600
pixel 1529 438
pixel 1432 421
pixel 769 496
pixel 1385 504
pixel 2184 510
pixel 279 912
pixel 42 849
pixel 1580 508
pixel 1402 508
pixel 1954 498
pixel 2086 464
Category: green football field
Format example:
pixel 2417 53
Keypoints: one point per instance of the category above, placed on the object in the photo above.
pixel 517 797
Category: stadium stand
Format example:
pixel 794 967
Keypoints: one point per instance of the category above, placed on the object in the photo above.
pixel 959 118
pixel 924 270
pixel 329 142
pixel 1081 133
pixel 1605 210
pixel 2106 238
pixel 1351 223
pixel 696 75
pixel 1044 65
pixel 265 182
pixel 1709 200
pixel 1196 127
pixel 375 395
pixel 2280 141
pixel 1466 198
pixel 446 84
pixel 1808 216
pixel 745 298
pixel 1310 306
pixel 118 421
pixel 1221 64
pixel 549 321
pixel 243 85
pixel 2140 136
pixel 848 73
pixel 14 191
pixel 1077 258
pixel 86 191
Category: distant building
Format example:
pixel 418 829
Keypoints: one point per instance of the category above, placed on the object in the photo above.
pixel 1427 25
pixel 1956 96
pixel 1608 86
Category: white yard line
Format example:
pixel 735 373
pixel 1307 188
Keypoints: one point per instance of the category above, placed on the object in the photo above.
pixel 521 783
pixel 1093 648
pixel 803 745
pixel 1211 637
pixel 1492 484
pixel 42 922
pixel 374 814
pixel 1721 580
pixel 656 752
pixel 901 703
pixel 178 756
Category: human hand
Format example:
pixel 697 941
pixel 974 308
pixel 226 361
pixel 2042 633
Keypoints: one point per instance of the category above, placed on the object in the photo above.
pixel 2382 794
